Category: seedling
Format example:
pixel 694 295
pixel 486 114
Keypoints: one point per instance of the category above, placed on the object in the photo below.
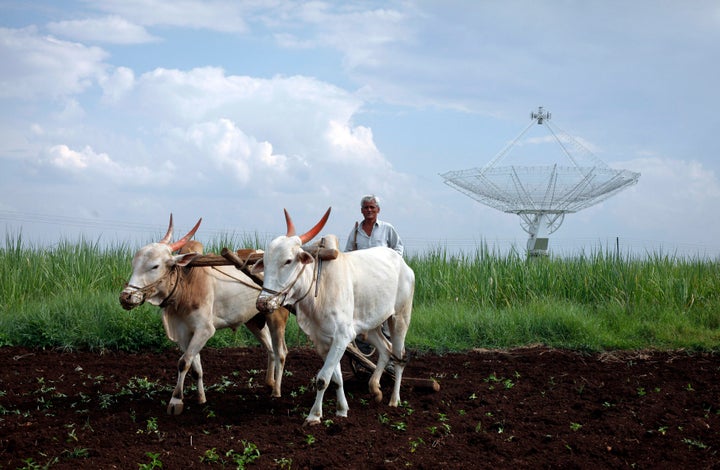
pixel 284 462
pixel 399 426
pixel 415 443
pixel 154 462
pixel 77 453
pixel 695 443
pixel 249 454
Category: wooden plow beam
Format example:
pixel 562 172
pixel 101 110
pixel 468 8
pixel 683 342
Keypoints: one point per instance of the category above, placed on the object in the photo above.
pixel 366 363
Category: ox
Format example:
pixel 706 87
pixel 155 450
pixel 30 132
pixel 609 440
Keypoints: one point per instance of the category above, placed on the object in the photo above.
pixel 354 294
pixel 197 301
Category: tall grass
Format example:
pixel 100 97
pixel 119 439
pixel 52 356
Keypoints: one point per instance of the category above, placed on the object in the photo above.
pixel 66 296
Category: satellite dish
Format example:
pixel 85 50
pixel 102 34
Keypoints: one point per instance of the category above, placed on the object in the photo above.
pixel 542 195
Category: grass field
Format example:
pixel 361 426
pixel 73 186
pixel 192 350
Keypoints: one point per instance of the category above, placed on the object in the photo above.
pixel 67 297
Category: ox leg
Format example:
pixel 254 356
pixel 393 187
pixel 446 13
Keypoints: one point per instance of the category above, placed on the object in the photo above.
pixel 331 371
pixel 399 325
pixel 266 339
pixel 198 373
pixel 376 338
pixel 190 358
pixel 277 322
pixel 342 404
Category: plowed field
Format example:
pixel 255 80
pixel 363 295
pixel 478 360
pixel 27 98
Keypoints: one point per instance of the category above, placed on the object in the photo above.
pixel 524 408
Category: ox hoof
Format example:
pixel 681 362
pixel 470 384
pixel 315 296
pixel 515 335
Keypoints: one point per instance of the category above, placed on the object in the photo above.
pixel 378 397
pixel 311 422
pixel 175 408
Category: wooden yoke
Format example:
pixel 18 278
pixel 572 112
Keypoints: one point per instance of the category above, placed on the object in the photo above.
pixel 325 249
pixel 243 257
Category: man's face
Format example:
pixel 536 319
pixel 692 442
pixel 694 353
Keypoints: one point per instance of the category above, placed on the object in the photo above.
pixel 370 210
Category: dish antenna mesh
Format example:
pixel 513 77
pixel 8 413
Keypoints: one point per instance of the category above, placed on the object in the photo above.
pixel 542 195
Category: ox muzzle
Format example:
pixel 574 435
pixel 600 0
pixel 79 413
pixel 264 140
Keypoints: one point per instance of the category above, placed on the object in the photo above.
pixel 131 297
pixel 268 302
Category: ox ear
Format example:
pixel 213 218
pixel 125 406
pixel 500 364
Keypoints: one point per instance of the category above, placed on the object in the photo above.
pixel 168 236
pixel 304 257
pixel 310 234
pixel 185 258
pixel 258 267
pixel 180 243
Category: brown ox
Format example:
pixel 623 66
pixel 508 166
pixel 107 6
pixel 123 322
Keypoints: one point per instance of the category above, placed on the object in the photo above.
pixel 196 302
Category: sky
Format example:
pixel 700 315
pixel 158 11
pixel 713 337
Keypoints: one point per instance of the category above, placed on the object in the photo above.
pixel 115 114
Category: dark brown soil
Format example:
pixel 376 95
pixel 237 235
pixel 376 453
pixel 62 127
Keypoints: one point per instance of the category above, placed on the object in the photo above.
pixel 525 408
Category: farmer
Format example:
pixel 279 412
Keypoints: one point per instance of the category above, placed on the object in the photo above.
pixel 371 231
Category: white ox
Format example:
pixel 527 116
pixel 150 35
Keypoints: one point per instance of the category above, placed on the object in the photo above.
pixel 355 294
pixel 198 301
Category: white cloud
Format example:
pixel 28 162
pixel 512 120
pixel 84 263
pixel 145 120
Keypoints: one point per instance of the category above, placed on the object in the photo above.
pixel 117 84
pixel 36 66
pixel 229 149
pixel 673 200
pixel 110 29
pixel 97 168
pixel 216 15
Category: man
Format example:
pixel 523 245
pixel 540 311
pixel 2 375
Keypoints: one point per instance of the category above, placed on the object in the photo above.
pixel 366 234
pixel 371 231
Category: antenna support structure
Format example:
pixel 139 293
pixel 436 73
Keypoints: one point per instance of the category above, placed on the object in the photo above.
pixel 542 194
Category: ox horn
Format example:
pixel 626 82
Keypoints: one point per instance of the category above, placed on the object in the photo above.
pixel 180 243
pixel 290 225
pixel 310 234
pixel 168 236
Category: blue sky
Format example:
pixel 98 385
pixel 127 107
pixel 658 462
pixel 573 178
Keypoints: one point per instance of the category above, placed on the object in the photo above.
pixel 113 114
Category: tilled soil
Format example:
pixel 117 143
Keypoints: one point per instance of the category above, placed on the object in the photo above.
pixel 523 408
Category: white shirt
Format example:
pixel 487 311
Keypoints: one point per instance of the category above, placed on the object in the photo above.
pixel 383 234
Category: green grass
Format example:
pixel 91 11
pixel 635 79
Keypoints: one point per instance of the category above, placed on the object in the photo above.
pixel 67 297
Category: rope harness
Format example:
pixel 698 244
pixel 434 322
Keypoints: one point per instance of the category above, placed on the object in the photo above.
pixel 153 285
pixel 241 281
pixel 282 294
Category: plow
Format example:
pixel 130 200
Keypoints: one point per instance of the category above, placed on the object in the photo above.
pixel 361 358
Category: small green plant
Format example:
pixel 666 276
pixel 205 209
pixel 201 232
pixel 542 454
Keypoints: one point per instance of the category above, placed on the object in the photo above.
pixel 284 462
pixel 151 428
pixel 155 461
pixel 249 454
pixel 399 426
pixel 415 444
pixel 309 439
pixel 641 392
pixel 30 464
pixel 576 426
pixel 72 433
pixel 695 443
pixel 210 456
pixel 77 453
